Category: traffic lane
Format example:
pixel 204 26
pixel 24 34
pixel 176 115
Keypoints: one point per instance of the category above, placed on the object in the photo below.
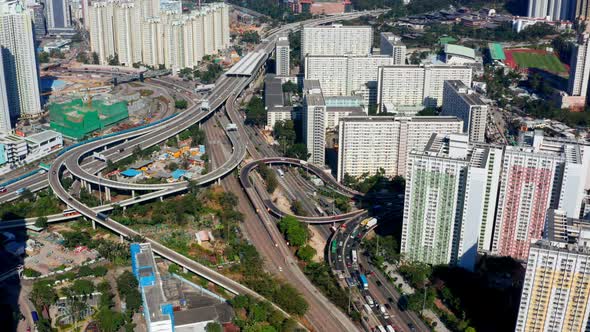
pixel 387 290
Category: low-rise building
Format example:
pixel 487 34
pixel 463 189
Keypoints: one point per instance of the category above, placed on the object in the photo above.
pixel 459 55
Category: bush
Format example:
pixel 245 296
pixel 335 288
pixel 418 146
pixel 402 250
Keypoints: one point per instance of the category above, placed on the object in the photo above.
pixel 30 273
pixel 306 253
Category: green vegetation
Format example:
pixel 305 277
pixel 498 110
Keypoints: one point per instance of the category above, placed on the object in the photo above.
pixel 321 275
pixel 428 111
pixel 195 133
pixel 31 205
pixel 516 7
pixel 290 87
pixel 128 288
pixel 82 57
pixel 306 253
pixel 269 177
pixel 43 57
pixel 107 318
pixel 95 58
pixel 56 53
pixel 41 222
pixel 255 112
pixel 375 183
pixel 213 72
pixel 137 154
pixel 295 232
pixel 295 46
pixel 180 104
pixel 272 9
pixel 382 249
pixel 548 62
pixel 285 133
pixel 114 251
pixel 253 315
pixel 31 273
pixel 298 209
pixel 251 37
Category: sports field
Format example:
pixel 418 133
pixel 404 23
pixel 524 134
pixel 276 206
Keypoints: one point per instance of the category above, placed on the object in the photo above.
pixel 526 59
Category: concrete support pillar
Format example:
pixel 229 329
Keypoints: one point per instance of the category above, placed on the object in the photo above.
pixel 121 238
pixel 93 224
pixel 124 208
pixel 107 193
pixel 184 270
pixel 161 198
pixel 133 193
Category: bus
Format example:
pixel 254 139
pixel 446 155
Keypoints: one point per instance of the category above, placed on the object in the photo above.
pixel 70 212
pixel 44 166
pixel 364 281
pixel 281 173
pixel 334 247
pixel 354 257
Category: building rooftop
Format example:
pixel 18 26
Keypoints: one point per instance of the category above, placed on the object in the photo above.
pixel 273 92
pixel 468 95
pixel 43 136
pixel 368 118
pixel 497 51
pixel 247 65
pixel 283 42
pixel 460 50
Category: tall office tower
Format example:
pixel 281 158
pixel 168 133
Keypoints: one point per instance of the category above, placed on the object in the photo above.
pixel 59 17
pixel 367 144
pixel 20 65
pixel 174 39
pixel 283 58
pixel 462 102
pixel 580 67
pixel 556 288
pixel 445 194
pixel 411 86
pixel 392 46
pixel 38 20
pixel 582 10
pixel 5 120
pixel 554 9
pixel 313 119
pixel 347 75
pixel 336 40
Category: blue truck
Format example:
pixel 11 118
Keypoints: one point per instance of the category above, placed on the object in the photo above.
pixel 364 282
pixel 35 316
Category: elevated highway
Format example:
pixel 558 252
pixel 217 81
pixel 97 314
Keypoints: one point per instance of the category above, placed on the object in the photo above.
pixel 328 179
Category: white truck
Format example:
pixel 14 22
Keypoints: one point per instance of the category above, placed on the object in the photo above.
pixel 371 223
pixel 369 300
pixel 384 311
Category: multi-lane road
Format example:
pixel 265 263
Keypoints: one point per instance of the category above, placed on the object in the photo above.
pixel 323 316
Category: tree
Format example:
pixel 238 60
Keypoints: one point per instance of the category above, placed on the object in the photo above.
pixel 43 57
pixel 56 53
pixel 83 287
pixel 95 58
pixel 295 232
pixel 180 104
pixel 113 60
pixel 82 57
pixel 290 87
pixel 41 222
pixel 306 253
pixel 251 37
pixel 43 294
pixel 213 327
pixel 298 151
pixel 255 112
pixel 109 320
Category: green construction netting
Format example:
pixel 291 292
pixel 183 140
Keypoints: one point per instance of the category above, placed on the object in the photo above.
pixel 77 118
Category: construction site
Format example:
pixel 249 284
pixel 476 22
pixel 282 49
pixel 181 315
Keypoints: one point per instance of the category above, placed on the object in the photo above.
pixel 80 117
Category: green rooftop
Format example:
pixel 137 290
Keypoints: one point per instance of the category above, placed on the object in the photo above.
pixel 496 52
pixel 77 118
pixel 460 50
pixel 446 40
